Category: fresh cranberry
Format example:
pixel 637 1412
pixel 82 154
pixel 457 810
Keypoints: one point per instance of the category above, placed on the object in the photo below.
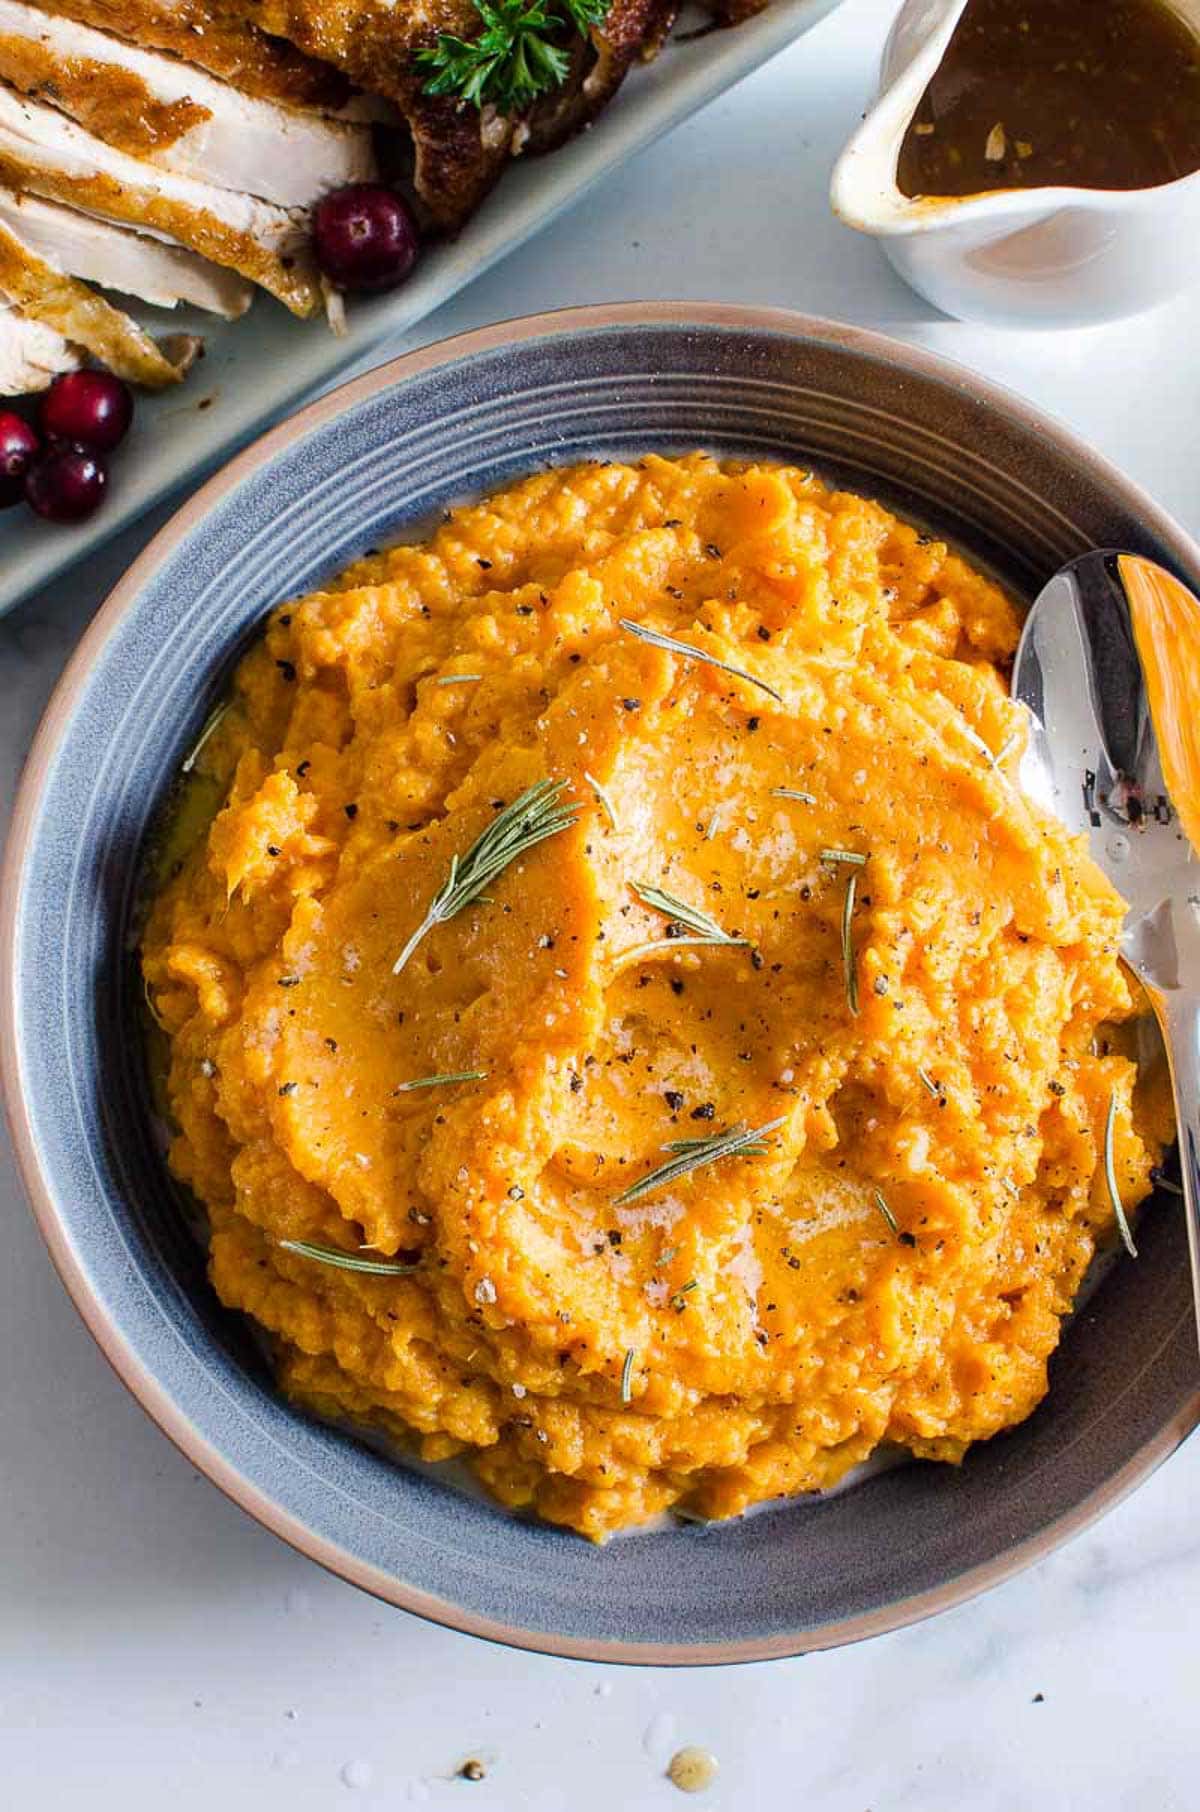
pixel 68 485
pixel 90 408
pixel 365 237
pixel 19 447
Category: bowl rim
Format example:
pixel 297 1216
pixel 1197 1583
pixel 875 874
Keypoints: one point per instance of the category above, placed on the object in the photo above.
pixel 169 1416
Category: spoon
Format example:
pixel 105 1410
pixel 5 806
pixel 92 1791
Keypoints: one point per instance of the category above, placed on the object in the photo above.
pixel 1109 668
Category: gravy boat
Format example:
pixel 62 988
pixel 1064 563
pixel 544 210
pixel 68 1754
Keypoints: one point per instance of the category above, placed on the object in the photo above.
pixel 1037 257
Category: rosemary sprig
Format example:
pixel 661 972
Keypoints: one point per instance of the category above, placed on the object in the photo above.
pixel 702 1144
pixel 529 820
pixel 881 1203
pixel 627 1375
pixel 976 741
pixel 705 929
pixel 1110 1173
pixel 792 792
pixel 347 1261
pixel 604 800
pixel 694 1154
pixel 686 652
pixel 211 724
pixel 995 758
pixel 403 1088
pixel 153 1011
pixel 849 965
pixel 514 58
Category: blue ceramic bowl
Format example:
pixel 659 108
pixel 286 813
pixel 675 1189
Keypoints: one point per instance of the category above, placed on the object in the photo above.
pixel 374 461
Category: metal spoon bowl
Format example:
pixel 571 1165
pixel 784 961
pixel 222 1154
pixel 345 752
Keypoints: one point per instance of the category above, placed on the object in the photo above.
pixel 1095 758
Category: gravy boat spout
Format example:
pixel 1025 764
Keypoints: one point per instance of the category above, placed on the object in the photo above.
pixel 1037 257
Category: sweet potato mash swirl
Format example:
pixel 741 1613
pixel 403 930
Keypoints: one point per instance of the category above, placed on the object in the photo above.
pixel 941 1056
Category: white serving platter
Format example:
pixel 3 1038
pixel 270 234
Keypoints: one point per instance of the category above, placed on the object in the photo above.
pixel 257 368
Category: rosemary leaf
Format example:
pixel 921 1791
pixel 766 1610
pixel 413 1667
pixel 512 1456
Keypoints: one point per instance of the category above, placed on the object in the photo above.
pixel 347 1261
pixel 930 1084
pixel 702 1145
pixel 852 857
pixel 604 799
pixel 1006 748
pixel 880 1201
pixel 976 741
pixel 403 1088
pixel 153 1011
pixel 688 1155
pixel 212 723
pixel 704 928
pixel 687 652
pixel 848 963
pixel 529 820
pixel 1110 1172
pixel 679 1300
pixel 664 1258
pixel 995 759
pixel 627 1375
pixel 792 792
pixel 457 679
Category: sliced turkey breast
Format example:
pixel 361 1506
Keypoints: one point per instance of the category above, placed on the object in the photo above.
pixel 154 270
pixel 214 37
pixel 44 294
pixel 459 150
pixel 31 354
pixel 43 151
pixel 181 119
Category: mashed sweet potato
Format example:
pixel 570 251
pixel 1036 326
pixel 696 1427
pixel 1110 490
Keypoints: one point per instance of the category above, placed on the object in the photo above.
pixel 932 1026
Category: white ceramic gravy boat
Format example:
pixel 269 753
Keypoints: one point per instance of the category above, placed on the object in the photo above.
pixel 1055 257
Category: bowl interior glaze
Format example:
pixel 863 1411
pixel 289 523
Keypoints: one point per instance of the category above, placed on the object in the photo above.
pixel 374 462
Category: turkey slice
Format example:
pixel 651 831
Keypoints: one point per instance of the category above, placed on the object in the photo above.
pixel 154 270
pixel 177 117
pixel 31 354
pixel 43 151
pixel 41 293
pixel 210 34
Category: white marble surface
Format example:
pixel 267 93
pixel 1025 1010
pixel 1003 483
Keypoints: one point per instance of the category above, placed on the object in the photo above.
pixel 156 1647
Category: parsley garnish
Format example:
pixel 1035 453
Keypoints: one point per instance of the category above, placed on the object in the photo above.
pixel 517 56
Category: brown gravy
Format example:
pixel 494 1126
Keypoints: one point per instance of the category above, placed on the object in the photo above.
pixel 1093 94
